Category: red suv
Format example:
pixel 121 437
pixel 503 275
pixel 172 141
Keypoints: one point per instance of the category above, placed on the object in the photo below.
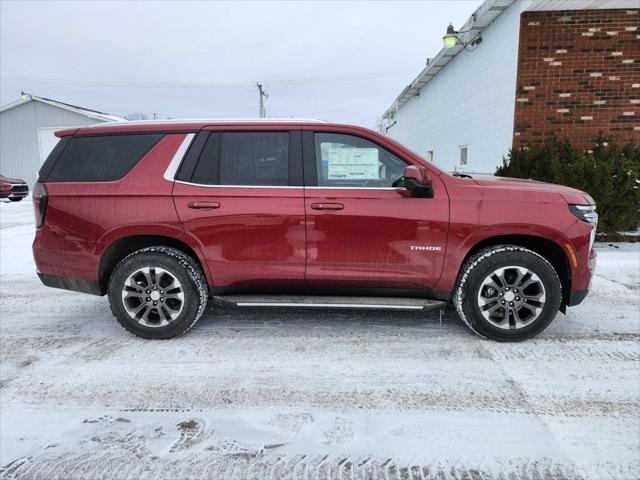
pixel 13 188
pixel 165 216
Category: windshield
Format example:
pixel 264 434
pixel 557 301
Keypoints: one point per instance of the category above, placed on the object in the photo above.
pixel 407 149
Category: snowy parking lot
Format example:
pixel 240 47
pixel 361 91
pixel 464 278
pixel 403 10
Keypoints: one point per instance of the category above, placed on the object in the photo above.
pixel 310 394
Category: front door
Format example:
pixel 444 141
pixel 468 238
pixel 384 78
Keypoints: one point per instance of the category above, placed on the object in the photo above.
pixel 362 231
pixel 243 201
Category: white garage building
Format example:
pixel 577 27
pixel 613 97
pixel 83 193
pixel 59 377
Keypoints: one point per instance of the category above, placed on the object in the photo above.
pixel 26 132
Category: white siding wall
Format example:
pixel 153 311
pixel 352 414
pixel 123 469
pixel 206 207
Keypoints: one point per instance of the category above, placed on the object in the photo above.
pixel 19 152
pixel 470 102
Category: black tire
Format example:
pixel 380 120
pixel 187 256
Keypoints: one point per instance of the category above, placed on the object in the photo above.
pixel 180 266
pixel 484 263
pixel 15 199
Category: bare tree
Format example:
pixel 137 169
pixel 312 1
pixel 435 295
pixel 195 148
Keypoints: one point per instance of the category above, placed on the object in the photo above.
pixel 136 116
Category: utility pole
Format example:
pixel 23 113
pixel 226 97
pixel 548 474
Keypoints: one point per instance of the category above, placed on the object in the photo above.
pixel 262 95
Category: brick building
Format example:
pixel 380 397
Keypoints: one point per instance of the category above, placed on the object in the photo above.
pixel 544 70
pixel 577 72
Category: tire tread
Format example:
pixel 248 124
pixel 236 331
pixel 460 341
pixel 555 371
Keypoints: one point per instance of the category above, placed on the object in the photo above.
pixel 473 262
pixel 193 271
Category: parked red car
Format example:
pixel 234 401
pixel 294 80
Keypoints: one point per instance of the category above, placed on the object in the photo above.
pixel 13 188
pixel 164 216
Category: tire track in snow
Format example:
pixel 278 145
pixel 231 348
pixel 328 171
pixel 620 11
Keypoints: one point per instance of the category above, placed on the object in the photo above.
pixel 566 349
pixel 116 466
pixel 502 398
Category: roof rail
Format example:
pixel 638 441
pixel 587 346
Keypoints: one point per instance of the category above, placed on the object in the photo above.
pixel 212 120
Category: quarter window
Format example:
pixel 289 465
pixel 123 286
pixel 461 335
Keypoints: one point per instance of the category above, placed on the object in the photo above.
pixel 101 158
pixel 350 161
pixel 244 158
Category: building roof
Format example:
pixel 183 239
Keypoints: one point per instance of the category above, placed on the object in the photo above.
pixel 479 21
pixel 26 98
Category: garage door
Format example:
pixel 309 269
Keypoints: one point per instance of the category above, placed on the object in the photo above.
pixel 47 140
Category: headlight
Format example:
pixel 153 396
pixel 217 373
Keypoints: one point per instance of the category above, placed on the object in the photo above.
pixel 586 213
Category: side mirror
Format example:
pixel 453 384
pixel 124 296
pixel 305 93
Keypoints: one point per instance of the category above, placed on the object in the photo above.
pixel 418 181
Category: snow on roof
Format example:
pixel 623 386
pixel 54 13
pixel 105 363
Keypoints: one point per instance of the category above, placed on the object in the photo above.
pixel 479 21
pixel 26 97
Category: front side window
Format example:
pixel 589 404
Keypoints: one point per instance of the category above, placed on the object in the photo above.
pixel 245 159
pixel 350 161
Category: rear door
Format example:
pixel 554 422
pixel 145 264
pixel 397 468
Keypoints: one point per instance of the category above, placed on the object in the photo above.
pixel 362 230
pixel 239 192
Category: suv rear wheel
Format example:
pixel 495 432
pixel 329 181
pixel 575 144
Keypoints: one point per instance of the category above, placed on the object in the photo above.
pixel 508 293
pixel 157 292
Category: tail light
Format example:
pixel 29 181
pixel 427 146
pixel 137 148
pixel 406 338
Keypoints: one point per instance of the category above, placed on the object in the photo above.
pixel 40 197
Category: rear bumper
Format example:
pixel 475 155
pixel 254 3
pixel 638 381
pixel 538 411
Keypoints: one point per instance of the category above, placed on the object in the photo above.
pixel 58 267
pixel 64 263
pixel 68 283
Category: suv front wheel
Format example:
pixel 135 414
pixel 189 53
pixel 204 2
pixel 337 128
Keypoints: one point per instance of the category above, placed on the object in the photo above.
pixel 157 292
pixel 508 293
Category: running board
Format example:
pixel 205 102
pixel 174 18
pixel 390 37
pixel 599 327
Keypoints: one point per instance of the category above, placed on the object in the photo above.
pixel 373 303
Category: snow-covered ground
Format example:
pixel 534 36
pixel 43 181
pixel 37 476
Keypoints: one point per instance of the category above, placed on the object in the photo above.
pixel 308 394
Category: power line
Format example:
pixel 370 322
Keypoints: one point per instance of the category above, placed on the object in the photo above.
pixel 176 84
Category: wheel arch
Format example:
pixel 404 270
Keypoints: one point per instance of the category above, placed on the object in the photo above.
pixel 123 246
pixel 548 249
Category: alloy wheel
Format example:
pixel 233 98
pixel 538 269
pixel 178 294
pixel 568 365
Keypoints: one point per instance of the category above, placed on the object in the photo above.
pixel 511 297
pixel 153 296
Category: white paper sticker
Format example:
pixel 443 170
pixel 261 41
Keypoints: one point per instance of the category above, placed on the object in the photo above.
pixel 352 163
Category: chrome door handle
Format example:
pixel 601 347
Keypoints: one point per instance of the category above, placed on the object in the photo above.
pixel 327 206
pixel 203 205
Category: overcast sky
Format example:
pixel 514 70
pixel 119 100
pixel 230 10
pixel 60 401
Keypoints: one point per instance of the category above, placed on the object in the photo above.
pixel 339 61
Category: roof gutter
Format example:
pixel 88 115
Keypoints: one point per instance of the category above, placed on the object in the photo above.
pixel 475 24
pixel 26 98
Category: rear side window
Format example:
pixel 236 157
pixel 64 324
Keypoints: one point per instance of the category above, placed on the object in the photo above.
pixel 244 158
pixel 101 159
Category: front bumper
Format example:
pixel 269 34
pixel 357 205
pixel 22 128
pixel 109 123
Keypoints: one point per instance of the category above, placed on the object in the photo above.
pixel 17 191
pixel 577 296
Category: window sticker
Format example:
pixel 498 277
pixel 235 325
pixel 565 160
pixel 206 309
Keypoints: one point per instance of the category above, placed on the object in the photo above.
pixel 352 163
